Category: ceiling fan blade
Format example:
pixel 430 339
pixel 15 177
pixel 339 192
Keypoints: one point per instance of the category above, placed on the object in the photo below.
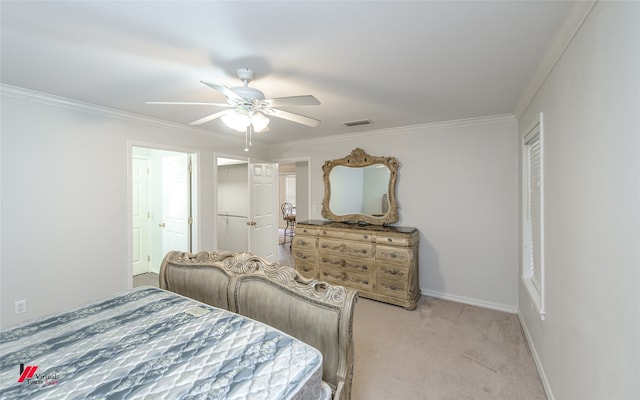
pixel 230 94
pixel 301 119
pixel 306 100
pixel 189 103
pixel 211 117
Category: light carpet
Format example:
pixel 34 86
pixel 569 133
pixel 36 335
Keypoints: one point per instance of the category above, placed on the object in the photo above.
pixel 441 351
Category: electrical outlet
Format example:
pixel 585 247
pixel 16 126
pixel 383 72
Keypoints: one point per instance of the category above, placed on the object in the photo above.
pixel 20 307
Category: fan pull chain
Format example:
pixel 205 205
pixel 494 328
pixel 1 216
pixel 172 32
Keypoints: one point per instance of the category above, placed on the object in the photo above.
pixel 247 138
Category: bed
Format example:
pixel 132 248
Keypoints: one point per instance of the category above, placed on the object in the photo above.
pixel 154 344
pixel 312 311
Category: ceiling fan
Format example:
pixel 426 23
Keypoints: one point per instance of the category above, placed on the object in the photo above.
pixel 248 106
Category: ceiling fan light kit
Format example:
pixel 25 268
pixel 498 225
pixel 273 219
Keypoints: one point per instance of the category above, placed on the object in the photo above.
pixel 249 107
pixel 240 119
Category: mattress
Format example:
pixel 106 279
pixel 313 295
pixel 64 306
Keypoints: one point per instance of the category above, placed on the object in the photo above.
pixel 153 344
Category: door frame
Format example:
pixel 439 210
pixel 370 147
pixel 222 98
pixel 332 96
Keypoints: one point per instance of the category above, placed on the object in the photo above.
pixel 194 197
pixel 308 161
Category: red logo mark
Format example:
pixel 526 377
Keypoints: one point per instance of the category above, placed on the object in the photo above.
pixel 27 373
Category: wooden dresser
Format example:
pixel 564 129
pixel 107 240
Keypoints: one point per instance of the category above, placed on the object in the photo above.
pixel 381 262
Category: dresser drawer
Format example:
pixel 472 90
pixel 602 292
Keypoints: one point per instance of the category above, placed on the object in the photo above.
pixel 391 240
pixel 345 248
pixel 357 236
pixel 393 272
pixel 394 255
pixel 301 242
pixel 357 265
pixel 392 287
pixel 304 256
pixel 343 278
pixel 305 263
pixel 303 230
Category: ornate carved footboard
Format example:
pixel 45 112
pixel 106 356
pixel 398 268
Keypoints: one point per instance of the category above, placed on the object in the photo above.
pixel 315 312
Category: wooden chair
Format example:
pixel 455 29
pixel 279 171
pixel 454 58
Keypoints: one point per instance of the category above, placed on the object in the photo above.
pixel 290 219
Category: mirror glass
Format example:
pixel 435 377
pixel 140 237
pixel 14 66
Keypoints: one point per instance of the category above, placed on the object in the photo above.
pixel 360 188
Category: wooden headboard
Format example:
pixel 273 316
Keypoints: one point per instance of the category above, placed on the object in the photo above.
pixel 315 312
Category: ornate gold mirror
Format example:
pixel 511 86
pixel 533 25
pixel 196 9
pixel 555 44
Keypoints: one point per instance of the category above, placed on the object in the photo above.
pixel 361 188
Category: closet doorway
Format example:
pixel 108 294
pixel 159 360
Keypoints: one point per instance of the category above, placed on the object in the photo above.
pixel 246 209
pixel 161 205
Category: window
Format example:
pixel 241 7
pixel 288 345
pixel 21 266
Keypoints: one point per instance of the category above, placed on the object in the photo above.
pixel 533 214
pixel 290 189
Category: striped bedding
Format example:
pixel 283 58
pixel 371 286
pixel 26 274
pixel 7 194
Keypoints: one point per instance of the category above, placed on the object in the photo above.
pixel 149 343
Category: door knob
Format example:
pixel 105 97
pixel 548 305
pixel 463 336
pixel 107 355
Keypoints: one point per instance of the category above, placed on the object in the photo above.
pixel 252 223
pixel 162 225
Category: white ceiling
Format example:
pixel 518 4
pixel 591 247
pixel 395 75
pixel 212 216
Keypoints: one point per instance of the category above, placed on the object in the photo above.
pixel 395 63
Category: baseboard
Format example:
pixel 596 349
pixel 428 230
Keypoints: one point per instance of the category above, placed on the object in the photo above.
pixel 470 301
pixel 536 359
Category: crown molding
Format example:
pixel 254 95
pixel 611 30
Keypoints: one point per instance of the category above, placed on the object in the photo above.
pixel 576 17
pixel 63 102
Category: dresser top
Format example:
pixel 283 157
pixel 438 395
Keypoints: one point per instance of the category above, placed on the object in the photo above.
pixel 356 227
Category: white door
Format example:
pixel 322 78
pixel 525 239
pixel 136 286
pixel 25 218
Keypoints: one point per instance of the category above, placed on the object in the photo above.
pixel 140 203
pixel 263 229
pixel 175 225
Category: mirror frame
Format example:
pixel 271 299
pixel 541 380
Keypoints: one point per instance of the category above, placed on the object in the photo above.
pixel 358 159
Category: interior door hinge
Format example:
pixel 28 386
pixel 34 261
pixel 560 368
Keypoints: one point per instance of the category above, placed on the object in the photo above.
pixel 149 258
pixel 190 221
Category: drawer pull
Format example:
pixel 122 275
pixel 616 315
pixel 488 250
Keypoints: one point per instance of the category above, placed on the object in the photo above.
pixel 391 271
pixel 365 236
pixel 389 240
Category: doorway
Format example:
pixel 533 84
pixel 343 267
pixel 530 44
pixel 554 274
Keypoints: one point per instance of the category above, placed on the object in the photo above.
pixel 293 179
pixel 246 209
pixel 162 207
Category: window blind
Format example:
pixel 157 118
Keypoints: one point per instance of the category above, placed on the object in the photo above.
pixel 535 215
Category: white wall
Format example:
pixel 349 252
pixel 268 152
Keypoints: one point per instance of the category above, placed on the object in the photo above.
pixel 65 191
pixel 457 184
pixel 588 346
